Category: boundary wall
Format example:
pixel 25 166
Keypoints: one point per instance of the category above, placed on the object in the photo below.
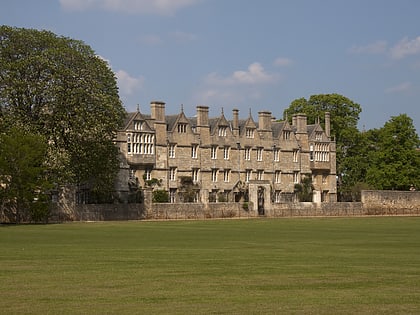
pixel 373 203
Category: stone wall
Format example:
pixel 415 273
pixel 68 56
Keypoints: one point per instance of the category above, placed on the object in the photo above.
pixel 197 211
pixel 391 202
pixel 100 212
pixel 310 209
pixel 373 203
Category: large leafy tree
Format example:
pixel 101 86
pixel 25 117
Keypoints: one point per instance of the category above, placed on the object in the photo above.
pixel 344 113
pixel 393 156
pixel 344 117
pixel 24 179
pixel 59 87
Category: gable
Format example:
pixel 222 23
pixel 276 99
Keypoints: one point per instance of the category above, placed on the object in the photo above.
pixel 179 123
pixel 315 132
pixel 137 121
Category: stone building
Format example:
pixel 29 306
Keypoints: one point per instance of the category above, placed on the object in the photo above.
pixel 216 159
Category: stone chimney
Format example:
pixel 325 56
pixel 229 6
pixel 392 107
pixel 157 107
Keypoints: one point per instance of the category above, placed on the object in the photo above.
pixel 202 116
pixel 301 123
pixel 294 120
pixel 157 110
pixel 264 120
pixel 235 122
pixel 327 124
pixel 203 127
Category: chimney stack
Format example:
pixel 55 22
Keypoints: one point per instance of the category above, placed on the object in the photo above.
pixel 157 110
pixel 264 120
pixel 301 123
pixel 294 120
pixel 327 124
pixel 202 116
pixel 235 122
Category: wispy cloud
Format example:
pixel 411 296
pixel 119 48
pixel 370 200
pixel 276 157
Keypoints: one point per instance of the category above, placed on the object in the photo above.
pixel 178 37
pixel 377 47
pixel 402 87
pixel 150 40
pixel 254 75
pixel 160 7
pixel 283 62
pixel 182 37
pixel 241 86
pixel 405 47
pixel 127 84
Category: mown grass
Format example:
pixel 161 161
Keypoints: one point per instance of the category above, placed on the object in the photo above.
pixel 260 266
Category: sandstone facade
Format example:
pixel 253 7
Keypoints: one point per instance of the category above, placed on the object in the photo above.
pixel 222 157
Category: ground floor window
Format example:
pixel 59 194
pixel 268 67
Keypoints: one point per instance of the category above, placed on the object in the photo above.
pixel 277 196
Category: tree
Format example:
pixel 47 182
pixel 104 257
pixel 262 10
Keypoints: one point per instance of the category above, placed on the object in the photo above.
pixel 304 191
pixel 188 189
pixel 394 159
pixel 356 164
pixel 160 195
pixel 23 175
pixel 59 87
pixel 344 113
pixel 344 117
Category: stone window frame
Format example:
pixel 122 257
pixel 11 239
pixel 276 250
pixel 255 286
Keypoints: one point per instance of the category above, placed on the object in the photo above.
pixel 172 174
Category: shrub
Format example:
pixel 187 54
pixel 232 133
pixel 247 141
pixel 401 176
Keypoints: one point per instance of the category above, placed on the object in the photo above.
pixel 160 196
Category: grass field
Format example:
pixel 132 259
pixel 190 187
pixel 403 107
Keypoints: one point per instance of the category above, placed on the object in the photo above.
pixel 258 266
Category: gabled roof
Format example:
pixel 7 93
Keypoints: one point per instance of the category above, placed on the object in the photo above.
pixel 173 120
pixel 311 129
pixel 245 124
pixel 277 128
pixel 136 116
pixel 216 122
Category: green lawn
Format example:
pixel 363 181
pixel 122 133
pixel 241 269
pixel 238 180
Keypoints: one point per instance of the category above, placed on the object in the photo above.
pixel 256 266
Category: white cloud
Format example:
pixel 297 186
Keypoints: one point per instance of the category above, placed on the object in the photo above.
pixel 405 47
pixel 255 74
pixel 400 50
pixel 162 7
pixel 402 87
pixel 127 84
pixel 283 62
pixel 240 87
pixel 377 47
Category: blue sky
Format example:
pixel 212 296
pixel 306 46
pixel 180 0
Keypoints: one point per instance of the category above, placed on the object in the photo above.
pixel 258 55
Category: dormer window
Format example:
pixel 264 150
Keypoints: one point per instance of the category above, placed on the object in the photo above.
pixel 222 131
pixel 318 135
pixel 138 125
pixel 249 132
pixel 182 128
pixel 286 135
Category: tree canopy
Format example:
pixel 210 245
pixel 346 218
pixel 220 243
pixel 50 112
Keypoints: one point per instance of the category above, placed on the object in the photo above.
pixel 344 117
pixel 394 160
pixel 384 158
pixel 23 175
pixel 344 113
pixel 59 88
